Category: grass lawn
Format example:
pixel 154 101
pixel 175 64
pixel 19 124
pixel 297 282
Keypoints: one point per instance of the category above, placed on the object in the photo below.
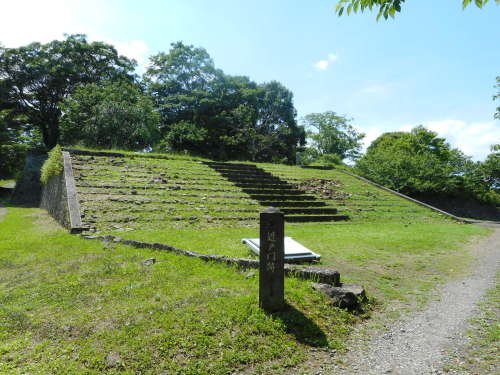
pixel 73 306
pixel 69 305
pixel 393 261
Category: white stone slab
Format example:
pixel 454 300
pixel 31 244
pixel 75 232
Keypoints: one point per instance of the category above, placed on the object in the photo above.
pixel 294 251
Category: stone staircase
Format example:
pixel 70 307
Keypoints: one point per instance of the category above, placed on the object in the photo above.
pixel 270 190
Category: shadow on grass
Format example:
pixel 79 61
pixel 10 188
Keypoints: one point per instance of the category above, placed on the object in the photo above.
pixel 28 189
pixel 303 328
pixel 5 193
pixel 6 200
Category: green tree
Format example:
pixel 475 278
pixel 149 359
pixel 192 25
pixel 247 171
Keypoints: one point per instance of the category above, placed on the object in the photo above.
pixel 496 97
pixel 491 167
pixel 179 80
pixel 413 163
pixel 213 114
pixel 421 164
pixel 40 76
pixel 183 135
pixel 331 133
pixel 111 115
pixel 386 8
pixel 10 121
pixel 276 125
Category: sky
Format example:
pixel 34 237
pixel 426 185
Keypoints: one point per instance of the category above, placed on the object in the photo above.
pixel 435 64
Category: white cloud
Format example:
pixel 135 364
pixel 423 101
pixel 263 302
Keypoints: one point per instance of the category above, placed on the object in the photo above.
pixel 41 21
pixel 406 128
pixel 325 63
pixel 370 135
pixel 375 89
pixel 474 138
pixel 44 21
pixel 332 57
pixel 134 49
pixel 322 64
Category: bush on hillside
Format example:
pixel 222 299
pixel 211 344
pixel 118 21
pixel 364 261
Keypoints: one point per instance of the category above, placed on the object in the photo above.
pixel 11 159
pixel 419 163
pixel 53 166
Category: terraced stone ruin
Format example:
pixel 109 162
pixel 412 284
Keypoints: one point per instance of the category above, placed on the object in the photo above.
pixel 270 190
pixel 124 193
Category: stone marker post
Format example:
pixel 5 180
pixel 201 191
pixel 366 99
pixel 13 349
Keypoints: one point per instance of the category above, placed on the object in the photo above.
pixel 272 260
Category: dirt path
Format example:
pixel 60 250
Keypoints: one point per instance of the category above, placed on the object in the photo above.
pixel 419 344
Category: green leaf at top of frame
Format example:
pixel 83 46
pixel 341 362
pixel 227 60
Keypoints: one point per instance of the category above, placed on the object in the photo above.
pixel 349 9
pixel 356 7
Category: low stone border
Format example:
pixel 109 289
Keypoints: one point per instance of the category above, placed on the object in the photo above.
pixel 317 274
pixel 118 154
pixel 465 221
pixel 349 296
pixel 94 153
pixel 320 167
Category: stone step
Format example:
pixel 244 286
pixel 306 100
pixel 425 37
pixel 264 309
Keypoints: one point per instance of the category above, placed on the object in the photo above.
pixel 320 167
pixel 257 180
pixel 264 185
pixel 229 165
pixel 315 218
pixel 282 197
pixel 256 174
pixel 309 211
pixel 292 204
pixel 274 191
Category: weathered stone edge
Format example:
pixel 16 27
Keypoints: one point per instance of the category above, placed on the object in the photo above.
pixel 321 275
pixel 465 221
pixel 75 220
pixel 116 154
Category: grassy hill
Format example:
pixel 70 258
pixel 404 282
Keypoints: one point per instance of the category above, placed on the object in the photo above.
pixel 385 243
pixel 69 305
pixel 124 193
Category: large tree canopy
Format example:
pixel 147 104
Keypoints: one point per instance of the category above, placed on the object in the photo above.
pixel 421 163
pixel 491 167
pixel 331 133
pixel 414 162
pixel 110 115
pixel 38 77
pixel 210 113
pixel 387 8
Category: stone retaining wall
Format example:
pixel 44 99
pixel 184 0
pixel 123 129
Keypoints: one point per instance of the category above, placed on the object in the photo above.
pixel 60 200
pixel 55 201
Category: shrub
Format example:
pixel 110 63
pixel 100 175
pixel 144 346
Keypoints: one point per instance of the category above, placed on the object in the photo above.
pixel 11 159
pixel 53 166
pixel 330 159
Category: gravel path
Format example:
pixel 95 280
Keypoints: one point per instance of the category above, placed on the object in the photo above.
pixel 3 212
pixel 419 344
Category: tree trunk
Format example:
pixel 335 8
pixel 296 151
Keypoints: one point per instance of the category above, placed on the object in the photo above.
pixel 50 132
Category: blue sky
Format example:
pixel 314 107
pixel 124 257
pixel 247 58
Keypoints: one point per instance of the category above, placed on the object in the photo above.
pixel 435 64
